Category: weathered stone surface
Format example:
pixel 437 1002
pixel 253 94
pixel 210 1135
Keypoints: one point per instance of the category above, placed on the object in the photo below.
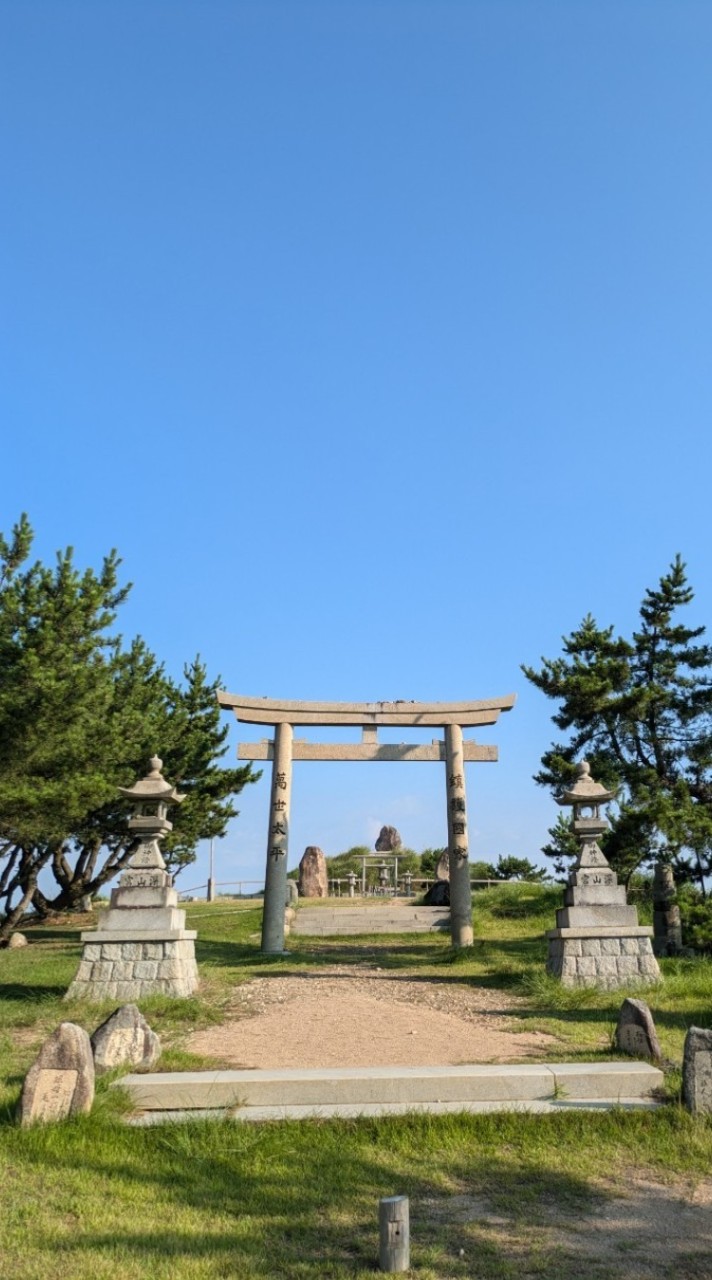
pixel 388 840
pixel 667 924
pixel 442 870
pixel 635 1032
pixel 697 1070
pixel 125 1040
pixel 292 895
pixel 438 894
pixel 313 876
pixel 602 961
pixel 17 940
pixel 60 1081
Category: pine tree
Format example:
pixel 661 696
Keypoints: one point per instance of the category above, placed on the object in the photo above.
pixel 640 711
pixel 80 715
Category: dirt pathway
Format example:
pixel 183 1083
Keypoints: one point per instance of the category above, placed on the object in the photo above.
pixel 344 1017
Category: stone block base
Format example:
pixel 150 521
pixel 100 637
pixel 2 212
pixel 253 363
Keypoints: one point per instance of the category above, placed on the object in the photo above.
pixel 130 970
pixel 606 963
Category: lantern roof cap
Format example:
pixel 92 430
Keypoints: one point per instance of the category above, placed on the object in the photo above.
pixel 153 786
pixel 585 790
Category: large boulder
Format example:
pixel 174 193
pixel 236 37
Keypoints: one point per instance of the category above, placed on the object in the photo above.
pixel 388 840
pixel 313 876
pixel 60 1081
pixel 125 1040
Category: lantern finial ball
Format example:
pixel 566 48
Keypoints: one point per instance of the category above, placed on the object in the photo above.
pixel 156 765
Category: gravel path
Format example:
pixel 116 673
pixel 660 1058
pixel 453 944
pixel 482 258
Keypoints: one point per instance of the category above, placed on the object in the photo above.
pixel 344 1017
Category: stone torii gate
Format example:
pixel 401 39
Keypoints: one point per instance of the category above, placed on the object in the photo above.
pixel 452 717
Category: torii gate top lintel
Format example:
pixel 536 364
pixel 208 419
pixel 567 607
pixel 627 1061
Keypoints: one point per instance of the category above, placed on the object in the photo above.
pixel 415 714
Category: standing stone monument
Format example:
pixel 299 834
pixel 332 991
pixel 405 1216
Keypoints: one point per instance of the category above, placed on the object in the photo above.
pixel 141 947
pixel 667 924
pixel 313 875
pixel 60 1082
pixel 388 840
pixel 597 941
pixel 635 1032
pixel 125 1040
pixel 697 1070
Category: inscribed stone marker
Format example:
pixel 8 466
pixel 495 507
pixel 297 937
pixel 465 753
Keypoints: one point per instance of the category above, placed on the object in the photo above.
pixel 697 1070
pixel 124 1040
pixel 60 1081
pixel 635 1033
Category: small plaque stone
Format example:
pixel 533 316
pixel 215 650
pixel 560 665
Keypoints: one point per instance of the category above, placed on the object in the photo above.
pixel 635 1033
pixel 697 1070
pixel 60 1081
pixel 125 1040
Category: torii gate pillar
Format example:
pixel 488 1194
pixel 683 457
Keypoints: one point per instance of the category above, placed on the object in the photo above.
pixel 460 891
pixel 278 842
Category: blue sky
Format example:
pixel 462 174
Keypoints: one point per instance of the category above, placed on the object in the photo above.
pixel 375 336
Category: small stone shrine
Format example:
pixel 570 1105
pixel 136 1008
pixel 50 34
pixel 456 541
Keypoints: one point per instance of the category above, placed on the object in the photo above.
pixel 597 941
pixel 141 947
pixel 60 1082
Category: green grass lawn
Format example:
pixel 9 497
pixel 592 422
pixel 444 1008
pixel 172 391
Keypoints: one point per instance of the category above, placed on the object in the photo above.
pixel 92 1198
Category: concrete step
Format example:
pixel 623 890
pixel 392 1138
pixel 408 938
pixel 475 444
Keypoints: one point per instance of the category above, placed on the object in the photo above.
pixel 345 1111
pixel 319 921
pixel 269 1094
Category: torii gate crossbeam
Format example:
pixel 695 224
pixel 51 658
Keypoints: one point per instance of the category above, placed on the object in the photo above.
pixel 283 748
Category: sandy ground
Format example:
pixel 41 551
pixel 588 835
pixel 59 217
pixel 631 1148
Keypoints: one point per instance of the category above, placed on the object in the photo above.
pixel 339 1017
pixel 644 1231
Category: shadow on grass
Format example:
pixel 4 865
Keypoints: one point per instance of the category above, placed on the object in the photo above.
pixel 29 994
pixel 48 933
pixel 323 1220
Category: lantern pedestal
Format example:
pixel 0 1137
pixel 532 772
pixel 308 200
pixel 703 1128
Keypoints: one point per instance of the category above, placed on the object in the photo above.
pixel 141 947
pixel 598 941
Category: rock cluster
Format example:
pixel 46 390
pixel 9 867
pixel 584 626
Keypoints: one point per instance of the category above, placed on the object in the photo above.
pixel 60 1082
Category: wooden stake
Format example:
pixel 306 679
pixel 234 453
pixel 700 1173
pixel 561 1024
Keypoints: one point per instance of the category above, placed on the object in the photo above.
pixel 394 1231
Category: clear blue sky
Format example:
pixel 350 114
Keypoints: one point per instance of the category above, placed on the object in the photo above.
pixel 375 336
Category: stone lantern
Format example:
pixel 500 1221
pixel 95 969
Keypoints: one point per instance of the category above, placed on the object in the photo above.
pixel 141 947
pixel 597 941
pixel 352 883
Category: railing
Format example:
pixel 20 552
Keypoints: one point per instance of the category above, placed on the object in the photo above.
pixel 186 895
pixel 339 887
pixel 405 888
